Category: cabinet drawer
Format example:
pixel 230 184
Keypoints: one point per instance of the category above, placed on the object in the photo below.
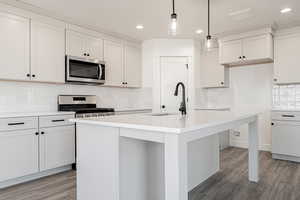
pixel 286 116
pixel 55 120
pixel 18 123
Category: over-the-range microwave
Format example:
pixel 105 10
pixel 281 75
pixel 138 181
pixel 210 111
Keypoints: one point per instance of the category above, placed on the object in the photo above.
pixel 84 70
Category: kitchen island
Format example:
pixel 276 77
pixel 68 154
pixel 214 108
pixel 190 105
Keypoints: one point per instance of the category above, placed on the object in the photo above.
pixel 102 152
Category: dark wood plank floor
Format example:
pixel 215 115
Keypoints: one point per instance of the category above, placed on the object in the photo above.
pixel 280 180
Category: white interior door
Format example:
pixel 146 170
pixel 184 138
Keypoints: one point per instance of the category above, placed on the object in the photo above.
pixel 173 70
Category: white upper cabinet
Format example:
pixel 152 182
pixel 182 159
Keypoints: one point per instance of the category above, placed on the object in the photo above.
pixel 230 51
pixel 213 74
pixel 47 53
pixel 258 48
pixel 114 63
pixel 82 45
pixel 14 48
pixel 133 65
pixel 246 50
pixel 286 62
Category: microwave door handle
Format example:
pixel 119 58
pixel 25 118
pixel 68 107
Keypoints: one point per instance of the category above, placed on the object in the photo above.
pixel 99 72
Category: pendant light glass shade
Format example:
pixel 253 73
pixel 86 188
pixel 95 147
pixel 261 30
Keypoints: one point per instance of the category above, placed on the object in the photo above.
pixel 173 24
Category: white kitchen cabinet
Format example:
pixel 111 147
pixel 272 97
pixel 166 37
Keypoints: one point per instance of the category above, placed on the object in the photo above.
pixel 18 153
pixel 230 51
pixel 212 73
pixel 114 63
pixel 14 48
pixel 286 61
pixel 57 147
pixel 83 45
pixel 132 67
pixel 249 50
pixel 47 53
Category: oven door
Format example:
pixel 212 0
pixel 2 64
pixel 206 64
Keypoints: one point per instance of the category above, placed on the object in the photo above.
pixel 84 70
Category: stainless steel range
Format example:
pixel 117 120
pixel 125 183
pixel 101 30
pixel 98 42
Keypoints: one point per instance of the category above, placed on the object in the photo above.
pixel 83 105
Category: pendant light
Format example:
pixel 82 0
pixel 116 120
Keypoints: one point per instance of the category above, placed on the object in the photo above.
pixel 210 42
pixel 173 23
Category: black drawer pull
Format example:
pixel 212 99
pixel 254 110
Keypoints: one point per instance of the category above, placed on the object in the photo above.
pixel 58 120
pixel 287 115
pixel 16 124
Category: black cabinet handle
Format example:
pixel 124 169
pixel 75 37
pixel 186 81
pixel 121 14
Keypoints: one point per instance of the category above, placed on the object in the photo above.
pixel 275 79
pixel 15 124
pixel 37 133
pixel 42 133
pixel 84 54
pixel 163 106
pixel 33 75
pixel 244 56
pixel 240 57
pixel 272 124
pixel 58 120
pixel 88 54
pixel 287 115
pixel 222 83
pixel 28 75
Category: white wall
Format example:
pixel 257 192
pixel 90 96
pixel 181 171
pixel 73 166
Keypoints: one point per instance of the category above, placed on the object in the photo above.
pixel 250 91
pixel 156 48
pixel 23 96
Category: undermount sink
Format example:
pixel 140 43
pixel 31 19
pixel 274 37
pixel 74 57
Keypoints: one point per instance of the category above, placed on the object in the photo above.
pixel 162 114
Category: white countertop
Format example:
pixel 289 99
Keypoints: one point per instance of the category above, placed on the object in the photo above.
pixel 33 114
pixel 174 123
pixel 212 108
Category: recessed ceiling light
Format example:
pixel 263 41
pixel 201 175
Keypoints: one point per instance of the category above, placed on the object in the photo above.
pixel 199 31
pixel 286 10
pixel 139 27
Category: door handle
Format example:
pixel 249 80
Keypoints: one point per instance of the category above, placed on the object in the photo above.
pixel 58 120
pixel 163 106
pixel 15 124
pixel 287 115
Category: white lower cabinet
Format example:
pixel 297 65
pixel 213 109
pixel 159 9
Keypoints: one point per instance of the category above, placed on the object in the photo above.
pixel 18 153
pixel 57 147
pixel 27 148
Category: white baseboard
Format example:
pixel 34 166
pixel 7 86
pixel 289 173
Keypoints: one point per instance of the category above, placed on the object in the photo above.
pixel 244 145
pixel 31 177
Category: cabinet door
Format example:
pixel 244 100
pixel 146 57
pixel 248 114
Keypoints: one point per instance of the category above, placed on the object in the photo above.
pixel 113 56
pixel 57 147
pixel 286 59
pixel 230 51
pixel 258 48
pixel 14 48
pixel 133 65
pixel 18 154
pixel 212 73
pixel 76 44
pixel 286 138
pixel 94 48
pixel 47 53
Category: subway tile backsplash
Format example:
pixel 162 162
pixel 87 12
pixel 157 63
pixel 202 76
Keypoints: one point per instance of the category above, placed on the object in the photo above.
pixel 286 97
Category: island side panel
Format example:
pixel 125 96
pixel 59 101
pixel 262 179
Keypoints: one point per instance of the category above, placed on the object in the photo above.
pixel 97 162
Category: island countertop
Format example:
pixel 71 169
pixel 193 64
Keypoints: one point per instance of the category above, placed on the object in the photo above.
pixel 172 123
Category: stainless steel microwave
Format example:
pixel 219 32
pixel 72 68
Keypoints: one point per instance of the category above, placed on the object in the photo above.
pixel 84 70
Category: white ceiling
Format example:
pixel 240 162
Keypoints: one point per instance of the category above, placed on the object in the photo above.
pixel 121 16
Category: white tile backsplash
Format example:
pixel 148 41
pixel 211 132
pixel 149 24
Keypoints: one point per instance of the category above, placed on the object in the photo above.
pixel 286 97
pixel 27 97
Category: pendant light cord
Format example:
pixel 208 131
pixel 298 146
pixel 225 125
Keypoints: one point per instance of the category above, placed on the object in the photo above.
pixel 208 17
pixel 173 6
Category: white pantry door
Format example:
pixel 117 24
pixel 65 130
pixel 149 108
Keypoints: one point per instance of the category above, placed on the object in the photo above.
pixel 173 70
